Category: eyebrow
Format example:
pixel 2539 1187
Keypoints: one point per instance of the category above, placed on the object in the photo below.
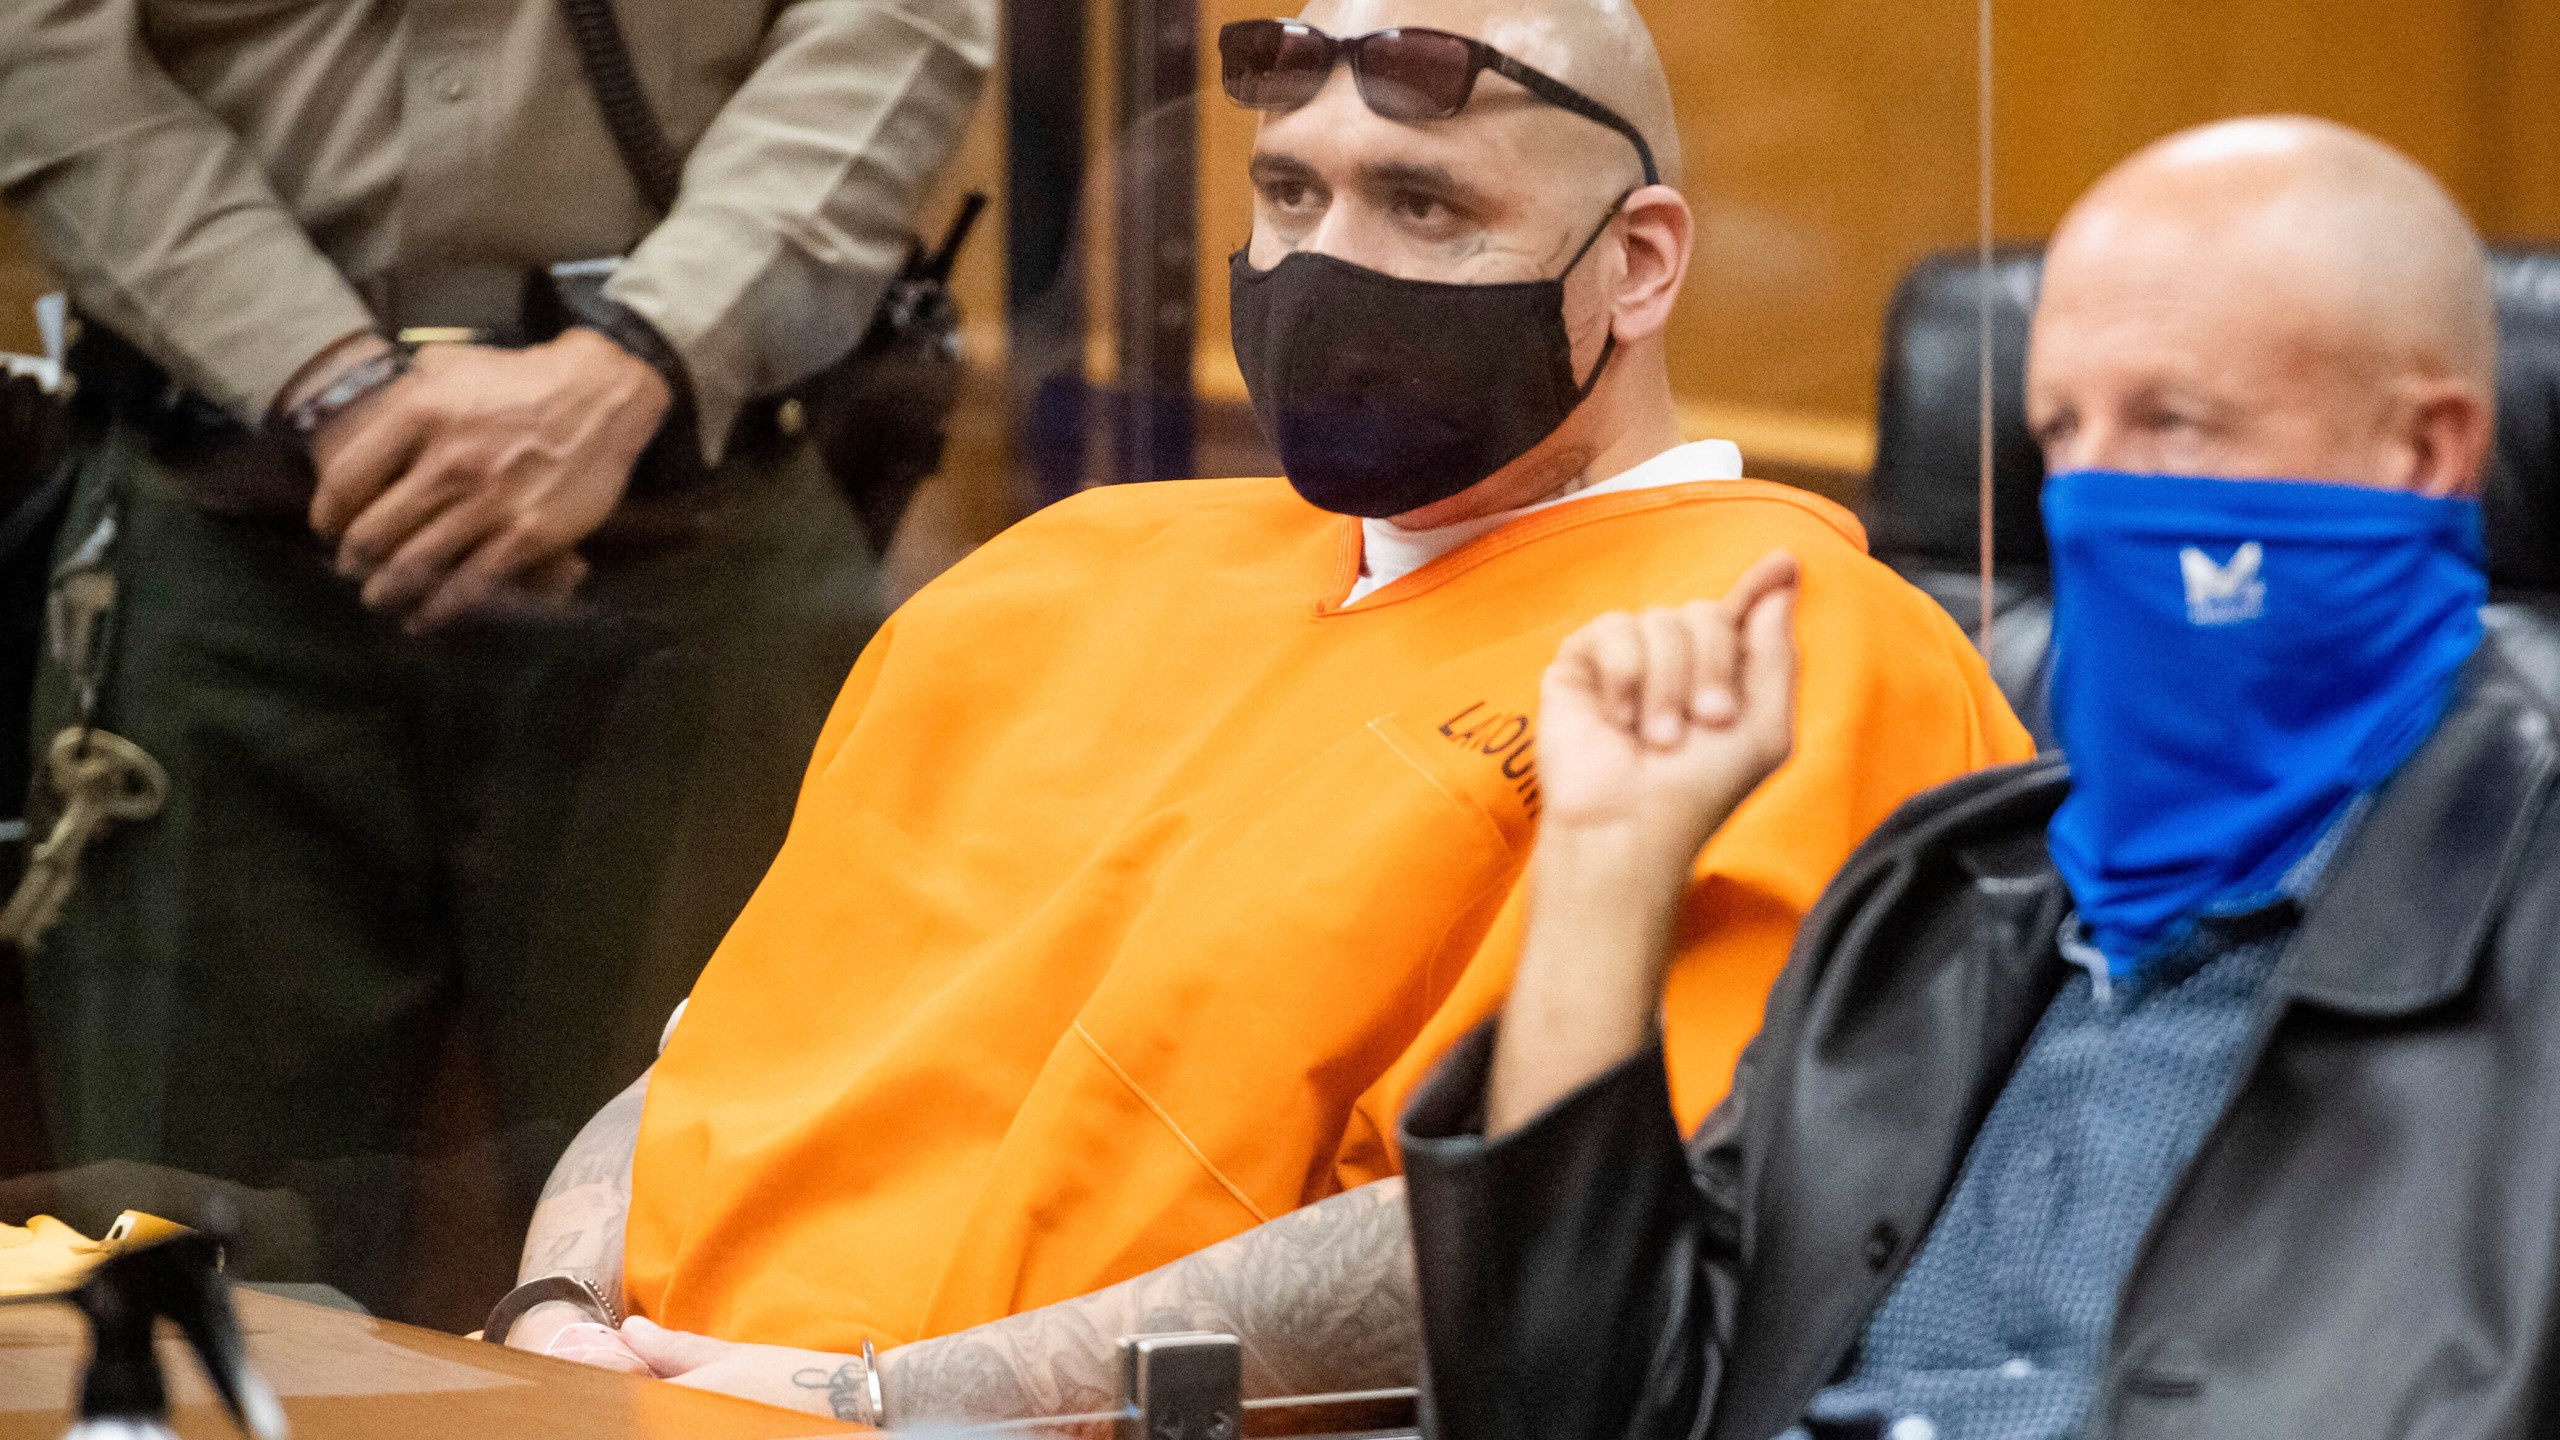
pixel 1392 177
pixel 1436 182
pixel 1273 169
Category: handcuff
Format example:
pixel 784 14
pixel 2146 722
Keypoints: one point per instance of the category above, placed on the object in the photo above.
pixel 879 1417
pixel 575 1290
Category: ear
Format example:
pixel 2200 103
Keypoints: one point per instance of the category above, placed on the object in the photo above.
pixel 2450 427
pixel 1659 230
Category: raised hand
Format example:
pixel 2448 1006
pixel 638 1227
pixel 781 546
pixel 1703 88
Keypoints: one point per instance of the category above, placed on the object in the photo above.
pixel 1661 723
pixel 1653 729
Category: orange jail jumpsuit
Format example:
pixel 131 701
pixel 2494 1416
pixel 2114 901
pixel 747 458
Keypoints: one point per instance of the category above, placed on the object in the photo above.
pixel 1134 881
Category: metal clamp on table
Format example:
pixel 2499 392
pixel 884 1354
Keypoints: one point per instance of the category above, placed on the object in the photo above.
pixel 1189 1385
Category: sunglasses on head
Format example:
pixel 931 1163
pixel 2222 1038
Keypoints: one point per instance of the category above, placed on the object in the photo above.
pixel 1406 74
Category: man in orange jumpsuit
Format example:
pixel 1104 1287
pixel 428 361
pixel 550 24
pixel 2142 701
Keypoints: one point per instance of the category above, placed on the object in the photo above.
pixel 1152 853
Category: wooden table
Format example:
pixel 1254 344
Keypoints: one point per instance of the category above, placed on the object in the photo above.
pixel 350 1377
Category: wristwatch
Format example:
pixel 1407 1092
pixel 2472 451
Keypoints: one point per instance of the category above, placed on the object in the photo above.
pixel 575 1290
pixel 639 339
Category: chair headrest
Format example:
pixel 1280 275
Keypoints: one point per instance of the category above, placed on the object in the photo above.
pixel 2522 498
pixel 1923 495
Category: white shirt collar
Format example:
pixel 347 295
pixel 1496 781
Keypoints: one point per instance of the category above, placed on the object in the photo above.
pixel 1389 552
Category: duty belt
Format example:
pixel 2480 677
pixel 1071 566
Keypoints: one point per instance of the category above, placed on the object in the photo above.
pixel 230 468
pixel 485 303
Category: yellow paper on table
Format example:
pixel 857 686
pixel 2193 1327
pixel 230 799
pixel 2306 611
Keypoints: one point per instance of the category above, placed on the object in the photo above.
pixel 47 1257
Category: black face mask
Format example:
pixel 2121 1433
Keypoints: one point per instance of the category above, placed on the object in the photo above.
pixel 1385 395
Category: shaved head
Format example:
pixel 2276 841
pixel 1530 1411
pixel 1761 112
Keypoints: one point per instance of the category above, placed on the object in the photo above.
pixel 1599 47
pixel 2367 240
pixel 2268 296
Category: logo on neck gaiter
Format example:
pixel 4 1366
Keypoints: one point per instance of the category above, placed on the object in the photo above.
pixel 2224 594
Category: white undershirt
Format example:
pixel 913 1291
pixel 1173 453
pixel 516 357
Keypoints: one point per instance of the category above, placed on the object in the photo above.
pixel 1389 552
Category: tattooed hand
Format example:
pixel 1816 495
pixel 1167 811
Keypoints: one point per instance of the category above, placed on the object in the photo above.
pixel 810 1380
pixel 1323 1298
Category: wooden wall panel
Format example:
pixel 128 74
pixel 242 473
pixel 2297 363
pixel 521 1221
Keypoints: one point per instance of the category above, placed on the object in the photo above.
pixel 2517 191
pixel 2461 85
pixel 23 277
pixel 1832 144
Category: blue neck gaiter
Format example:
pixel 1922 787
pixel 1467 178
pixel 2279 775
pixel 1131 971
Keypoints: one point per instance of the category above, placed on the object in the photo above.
pixel 2234 662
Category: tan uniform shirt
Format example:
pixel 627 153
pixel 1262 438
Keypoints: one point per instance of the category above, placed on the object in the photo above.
pixel 234 186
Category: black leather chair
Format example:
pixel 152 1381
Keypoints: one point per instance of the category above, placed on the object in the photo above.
pixel 1923 505
pixel 1924 495
pixel 2522 499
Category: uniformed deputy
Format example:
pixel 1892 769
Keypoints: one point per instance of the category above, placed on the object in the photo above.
pixel 408 768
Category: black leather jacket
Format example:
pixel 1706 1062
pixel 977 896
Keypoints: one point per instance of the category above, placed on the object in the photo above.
pixel 2367 1243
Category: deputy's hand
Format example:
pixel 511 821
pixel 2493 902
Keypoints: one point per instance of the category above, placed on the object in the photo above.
pixel 481 468
pixel 812 1380
pixel 1656 726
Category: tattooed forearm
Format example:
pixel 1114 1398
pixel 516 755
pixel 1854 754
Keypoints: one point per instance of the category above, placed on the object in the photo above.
pixel 577 1225
pixel 847 1386
pixel 601 1155
pixel 1323 1299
